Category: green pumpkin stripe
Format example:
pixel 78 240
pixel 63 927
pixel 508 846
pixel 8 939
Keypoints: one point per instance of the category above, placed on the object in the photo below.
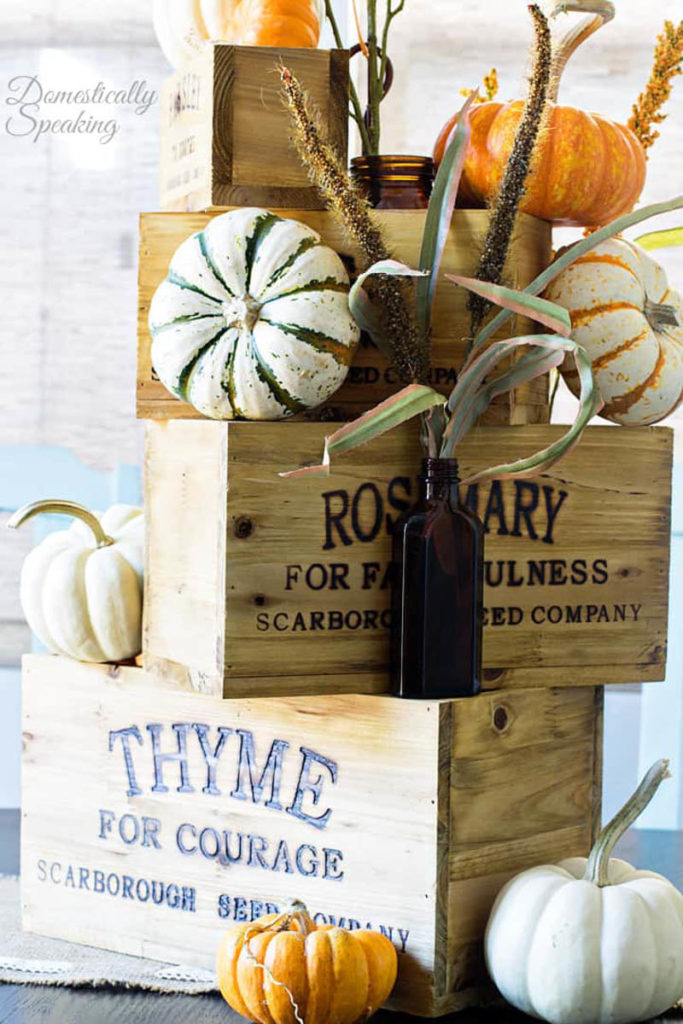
pixel 186 318
pixel 206 253
pixel 180 282
pixel 262 228
pixel 304 246
pixel 181 387
pixel 330 284
pixel 228 381
pixel 267 375
pixel 342 354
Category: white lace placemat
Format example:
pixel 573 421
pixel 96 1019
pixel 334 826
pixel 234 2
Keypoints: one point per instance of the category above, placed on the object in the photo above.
pixel 34 960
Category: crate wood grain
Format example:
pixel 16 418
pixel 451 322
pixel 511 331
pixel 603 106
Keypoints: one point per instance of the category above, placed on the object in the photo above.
pixel 370 379
pixel 153 820
pixel 225 129
pixel 256 585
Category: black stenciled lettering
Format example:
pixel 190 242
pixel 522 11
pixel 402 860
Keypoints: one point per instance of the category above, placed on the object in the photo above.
pixel 551 511
pixel 334 519
pixel 247 771
pixel 527 496
pixel 125 735
pixel 600 574
pixel 366 536
pixel 495 509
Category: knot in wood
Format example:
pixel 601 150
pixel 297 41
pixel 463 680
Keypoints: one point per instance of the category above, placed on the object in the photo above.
pixel 244 527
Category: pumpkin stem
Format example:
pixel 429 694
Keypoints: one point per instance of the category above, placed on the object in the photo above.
pixel 602 11
pixel 660 315
pixel 63 508
pixel 597 868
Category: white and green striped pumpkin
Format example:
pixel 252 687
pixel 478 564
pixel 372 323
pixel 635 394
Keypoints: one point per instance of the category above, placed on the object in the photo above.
pixel 253 321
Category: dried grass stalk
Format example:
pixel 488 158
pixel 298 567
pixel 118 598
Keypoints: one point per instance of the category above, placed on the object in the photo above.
pixel 506 205
pixel 344 198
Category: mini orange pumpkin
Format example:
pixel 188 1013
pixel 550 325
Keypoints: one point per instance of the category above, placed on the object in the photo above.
pixel 282 969
pixel 586 170
pixel 184 27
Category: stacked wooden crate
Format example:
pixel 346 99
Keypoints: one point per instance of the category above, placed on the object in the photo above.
pixel 256 756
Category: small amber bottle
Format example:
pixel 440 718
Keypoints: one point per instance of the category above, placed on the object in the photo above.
pixel 395 182
pixel 437 591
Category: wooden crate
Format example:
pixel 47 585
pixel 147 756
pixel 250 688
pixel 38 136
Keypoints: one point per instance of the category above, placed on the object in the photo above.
pixel 259 586
pixel 370 378
pixel 225 129
pixel 405 816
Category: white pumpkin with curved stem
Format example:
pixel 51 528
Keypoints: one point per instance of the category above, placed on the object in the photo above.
pixel 630 321
pixel 81 588
pixel 253 321
pixel 184 27
pixel 590 940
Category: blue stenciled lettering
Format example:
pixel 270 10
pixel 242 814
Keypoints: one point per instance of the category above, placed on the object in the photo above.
pixel 125 735
pixel 306 785
pixel 247 771
pixel 211 756
pixel 178 756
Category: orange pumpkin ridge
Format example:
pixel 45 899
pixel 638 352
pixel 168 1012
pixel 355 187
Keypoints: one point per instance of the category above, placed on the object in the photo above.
pixel 622 403
pixel 602 361
pixel 580 317
pixel 614 261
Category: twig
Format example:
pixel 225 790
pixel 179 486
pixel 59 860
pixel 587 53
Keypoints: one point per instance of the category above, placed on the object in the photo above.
pixel 356 108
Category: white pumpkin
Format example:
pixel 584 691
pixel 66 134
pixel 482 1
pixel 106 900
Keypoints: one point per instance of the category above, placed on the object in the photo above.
pixel 81 588
pixel 590 941
pixel 630 322
pixel 184 27
pixel 253 320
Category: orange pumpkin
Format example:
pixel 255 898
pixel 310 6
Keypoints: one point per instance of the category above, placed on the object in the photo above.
pixel 586 170
pixel 282 969
pixel 183 27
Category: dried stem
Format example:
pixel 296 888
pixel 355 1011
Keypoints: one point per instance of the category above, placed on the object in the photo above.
pixel 344 198
pixel 506 205
pixel 667 64
pixel 356 108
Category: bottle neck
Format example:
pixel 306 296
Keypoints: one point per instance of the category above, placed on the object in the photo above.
pixel 440 480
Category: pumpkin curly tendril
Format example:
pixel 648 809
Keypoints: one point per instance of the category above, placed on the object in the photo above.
pixel 296 911
pixel 668 63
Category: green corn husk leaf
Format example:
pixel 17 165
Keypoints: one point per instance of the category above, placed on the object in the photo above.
pixel 580 249
pixel 474 396
pixel 440 215
pixel 544 312
pixel 669 238
pixel 403 406
pixel 538 361
pixel 363 310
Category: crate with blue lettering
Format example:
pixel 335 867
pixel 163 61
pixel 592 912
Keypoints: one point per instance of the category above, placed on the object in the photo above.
pixel 258 585
pixel 153 819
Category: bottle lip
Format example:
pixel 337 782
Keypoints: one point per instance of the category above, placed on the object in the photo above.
pixel 441 469
pixel 400 167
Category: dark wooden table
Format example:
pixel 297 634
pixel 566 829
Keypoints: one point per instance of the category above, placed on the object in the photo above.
pixel 34 1004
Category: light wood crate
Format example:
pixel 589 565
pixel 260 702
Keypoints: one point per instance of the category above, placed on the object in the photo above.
pixel 370 379
pixel 225 129
pixel 260 586
pixel 423 810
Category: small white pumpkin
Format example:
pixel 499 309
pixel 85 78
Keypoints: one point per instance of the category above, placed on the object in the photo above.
pixel 253 320
pixel 590 941
pixel 81 588
pixel 184 27
pixel 630 322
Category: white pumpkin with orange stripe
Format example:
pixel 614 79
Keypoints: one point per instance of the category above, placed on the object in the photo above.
pixel 630 322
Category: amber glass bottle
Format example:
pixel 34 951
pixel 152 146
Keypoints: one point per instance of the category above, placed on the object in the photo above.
pixel 437 591
pixel 395 182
